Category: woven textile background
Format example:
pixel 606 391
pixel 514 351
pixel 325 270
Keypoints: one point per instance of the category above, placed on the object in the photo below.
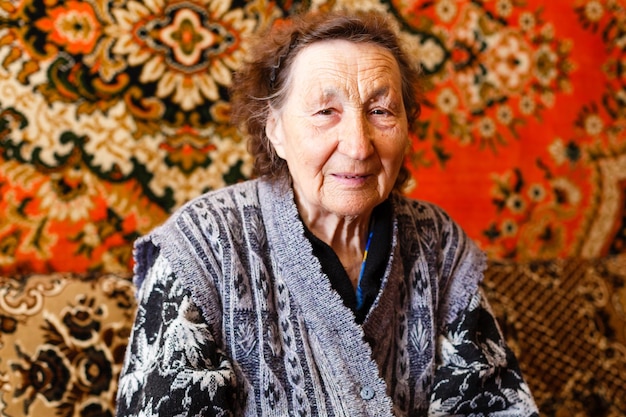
pixel 114 113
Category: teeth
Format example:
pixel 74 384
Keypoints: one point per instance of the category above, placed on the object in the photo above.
pixel 352 176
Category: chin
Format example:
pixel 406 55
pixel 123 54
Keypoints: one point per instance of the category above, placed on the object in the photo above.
pixel 355 209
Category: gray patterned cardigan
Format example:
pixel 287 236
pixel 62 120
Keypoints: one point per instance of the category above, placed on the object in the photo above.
pixel 236 317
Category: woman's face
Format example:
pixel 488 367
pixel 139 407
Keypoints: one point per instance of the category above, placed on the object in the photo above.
pixel 343 129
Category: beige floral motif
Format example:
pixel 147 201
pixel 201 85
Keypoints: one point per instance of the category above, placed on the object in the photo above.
pixel 188 185
pixel 72 26
pixel 108 139
pixel 527 21
pixel 446 10
pixel 527 105
pixel 20 230
pixel 188 57
pixel 504 114
pixel 487 127
pixel 516 203
pixel 431 54
pixel 594 10
pixel 47 124
pixel 558 151
pixel 536 192
pixel 350 5
pixel 68 195
pixel 447 100
pixel 545 65
pixel 509 228
pixel 504 8
pixel 27 300
pixel 506 58
pixel 510 61
pixel 593 124
pixel 187 37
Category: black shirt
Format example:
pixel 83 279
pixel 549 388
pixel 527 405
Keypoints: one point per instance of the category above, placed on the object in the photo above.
pixel 375 263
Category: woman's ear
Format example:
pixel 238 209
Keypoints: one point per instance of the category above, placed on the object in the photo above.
pixel 275 133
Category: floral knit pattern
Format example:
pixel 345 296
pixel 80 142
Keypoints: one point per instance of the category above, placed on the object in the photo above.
pixel 232 322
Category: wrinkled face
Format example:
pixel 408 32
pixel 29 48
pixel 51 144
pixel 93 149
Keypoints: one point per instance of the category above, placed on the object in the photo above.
pixel 343 129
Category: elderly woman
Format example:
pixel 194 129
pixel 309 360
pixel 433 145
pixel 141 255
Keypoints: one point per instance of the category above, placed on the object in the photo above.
pixel 317 288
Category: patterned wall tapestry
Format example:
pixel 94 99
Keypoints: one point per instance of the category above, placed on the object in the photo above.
pixel 114 113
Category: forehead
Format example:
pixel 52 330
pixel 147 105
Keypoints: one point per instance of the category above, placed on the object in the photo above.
pixel 346 62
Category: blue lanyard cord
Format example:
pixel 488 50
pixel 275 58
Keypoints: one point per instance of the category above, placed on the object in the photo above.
pixel 359 290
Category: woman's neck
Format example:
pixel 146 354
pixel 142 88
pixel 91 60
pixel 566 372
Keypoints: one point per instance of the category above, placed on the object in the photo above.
pixel 347 236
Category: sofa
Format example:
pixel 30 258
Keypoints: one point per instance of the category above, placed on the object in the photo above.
pixel 63 336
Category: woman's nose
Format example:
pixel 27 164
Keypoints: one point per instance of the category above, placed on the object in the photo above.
pixel 356 137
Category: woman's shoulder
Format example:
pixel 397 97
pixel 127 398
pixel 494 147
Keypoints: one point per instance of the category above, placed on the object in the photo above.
pixel 419 210
pixel 419 219
pixel 203 223
pixel 212 213
pixel 244 192
pixel 216 204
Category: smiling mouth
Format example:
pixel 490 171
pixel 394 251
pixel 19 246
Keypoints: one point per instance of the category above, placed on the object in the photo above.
pixel 352 176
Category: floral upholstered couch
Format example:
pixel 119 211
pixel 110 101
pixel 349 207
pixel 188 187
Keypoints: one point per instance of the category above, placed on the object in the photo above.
pixel 63 337
pixel 62 343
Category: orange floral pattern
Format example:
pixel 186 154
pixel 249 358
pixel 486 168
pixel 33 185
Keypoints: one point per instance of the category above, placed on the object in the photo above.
pixel 114 114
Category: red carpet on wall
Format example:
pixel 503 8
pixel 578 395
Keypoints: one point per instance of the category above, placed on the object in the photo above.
pixel 113 114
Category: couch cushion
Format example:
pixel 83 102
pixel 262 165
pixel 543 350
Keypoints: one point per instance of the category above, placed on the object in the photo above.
pixel 63 336
pixel 62 341
pixel 566 321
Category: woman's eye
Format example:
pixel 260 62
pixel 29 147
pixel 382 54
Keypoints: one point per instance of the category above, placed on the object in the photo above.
pixel 380 112
pixel 325 112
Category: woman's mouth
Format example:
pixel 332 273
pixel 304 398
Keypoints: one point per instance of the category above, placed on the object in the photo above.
pixel 351 179
pixel 351 176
